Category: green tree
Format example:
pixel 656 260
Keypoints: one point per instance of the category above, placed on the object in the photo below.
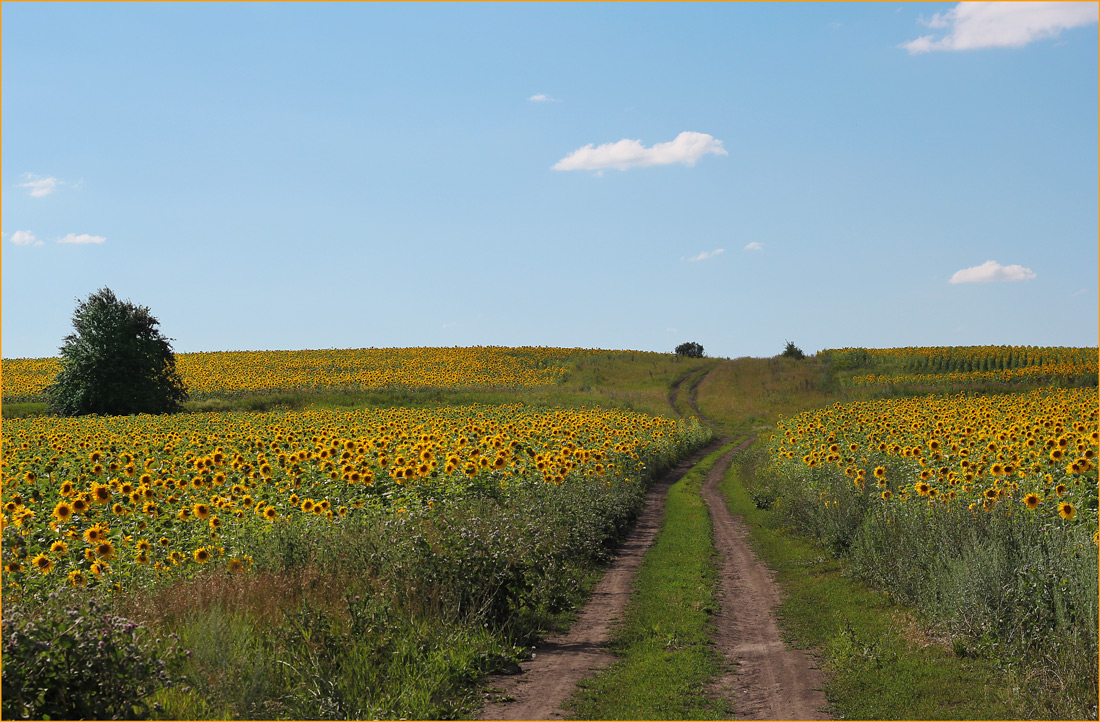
pixel 690 349
pixel 116 362
pixel 792 351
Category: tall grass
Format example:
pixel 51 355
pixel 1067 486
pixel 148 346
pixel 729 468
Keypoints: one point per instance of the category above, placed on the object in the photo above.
pixel 393 616
pixel 1002 586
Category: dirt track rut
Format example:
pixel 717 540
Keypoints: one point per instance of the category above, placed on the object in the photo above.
pixel 565 659
pixel 769 681
pixel 766 680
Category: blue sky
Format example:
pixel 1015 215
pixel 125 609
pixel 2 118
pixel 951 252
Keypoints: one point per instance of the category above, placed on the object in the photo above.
pixel 287 176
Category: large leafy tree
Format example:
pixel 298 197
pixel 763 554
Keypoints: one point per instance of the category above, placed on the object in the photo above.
pixel 116 362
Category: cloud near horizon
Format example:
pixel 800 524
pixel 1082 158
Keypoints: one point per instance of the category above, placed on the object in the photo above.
pixel 687 148
pixel 40 187
pixel 83 238
pixel 992 271
pixel 976 25
pixel 754 246
pixel 543 98
pixel 707 254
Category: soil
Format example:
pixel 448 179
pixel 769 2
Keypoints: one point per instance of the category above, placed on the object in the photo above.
pixel 766 680
pixel 563 660
pixel 769 680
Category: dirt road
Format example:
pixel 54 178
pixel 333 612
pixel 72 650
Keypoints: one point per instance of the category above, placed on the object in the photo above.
pixel 563 660
pixel 768 681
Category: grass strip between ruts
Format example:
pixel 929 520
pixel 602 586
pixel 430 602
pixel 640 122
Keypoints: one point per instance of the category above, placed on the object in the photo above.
pixel 665 655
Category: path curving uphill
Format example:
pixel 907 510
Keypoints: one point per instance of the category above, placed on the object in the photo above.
pixel 767 681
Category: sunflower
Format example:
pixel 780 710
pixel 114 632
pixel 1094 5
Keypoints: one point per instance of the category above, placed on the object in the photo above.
pixel 886 494
pixel 143 545
pixel 93 534
pixel 922 488
pixel 270 513
pixel 101 493
pixel 880 472
pixel 1066 510
pixel 236 565
pixel 42 563
pixel 62 512
pixel 1031 501
pixel 59 547
pixel 105 549
pixel 76 578
pixel 202 511
pixel 202 555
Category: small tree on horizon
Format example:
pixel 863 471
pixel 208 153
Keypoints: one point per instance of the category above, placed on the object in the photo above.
pixel 792 351
pixel 690 349
pixel 116 362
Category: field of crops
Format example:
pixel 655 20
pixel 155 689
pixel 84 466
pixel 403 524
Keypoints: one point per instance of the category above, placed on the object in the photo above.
pixel 228 373
pixel 980 511
pixel 965 365
pixel 1028 453
pixel 135 500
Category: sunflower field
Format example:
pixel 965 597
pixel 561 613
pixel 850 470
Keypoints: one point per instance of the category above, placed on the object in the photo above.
pixel 978 510
pixel 230 373
pixel 962 365
pixel 130 501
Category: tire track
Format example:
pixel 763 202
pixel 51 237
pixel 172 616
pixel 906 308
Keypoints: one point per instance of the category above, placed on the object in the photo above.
pixel 563 660
pixel 769 681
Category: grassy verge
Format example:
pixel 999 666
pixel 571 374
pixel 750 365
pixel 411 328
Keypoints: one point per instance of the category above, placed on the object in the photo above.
pixel 880 664
pixel 663 643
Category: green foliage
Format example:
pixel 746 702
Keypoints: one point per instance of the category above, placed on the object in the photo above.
pixel 116 362
pixel 690 349
pixel 663 643
pixel 792 351
pixel 78 661
pixel 1010 587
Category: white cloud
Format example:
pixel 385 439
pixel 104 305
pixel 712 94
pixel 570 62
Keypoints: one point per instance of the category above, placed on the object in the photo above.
pixel 543 98
pixel 974 25
pixel 707 254
pixel 754 246
pixel 687 148
pixel 25 238
pixel 40 187
pixel 992 271
pixel 82 238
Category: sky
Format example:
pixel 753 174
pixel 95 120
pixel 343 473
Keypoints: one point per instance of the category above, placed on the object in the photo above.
pixel 270 176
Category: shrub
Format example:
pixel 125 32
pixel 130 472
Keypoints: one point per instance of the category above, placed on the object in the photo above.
pixel 792 351
pixel 690 349
pixel 77 661
pixel 116 362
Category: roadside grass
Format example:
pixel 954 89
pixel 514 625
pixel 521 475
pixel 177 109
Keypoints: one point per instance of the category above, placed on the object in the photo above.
pixel 745 394
pixel 879 663
pixel 663 644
